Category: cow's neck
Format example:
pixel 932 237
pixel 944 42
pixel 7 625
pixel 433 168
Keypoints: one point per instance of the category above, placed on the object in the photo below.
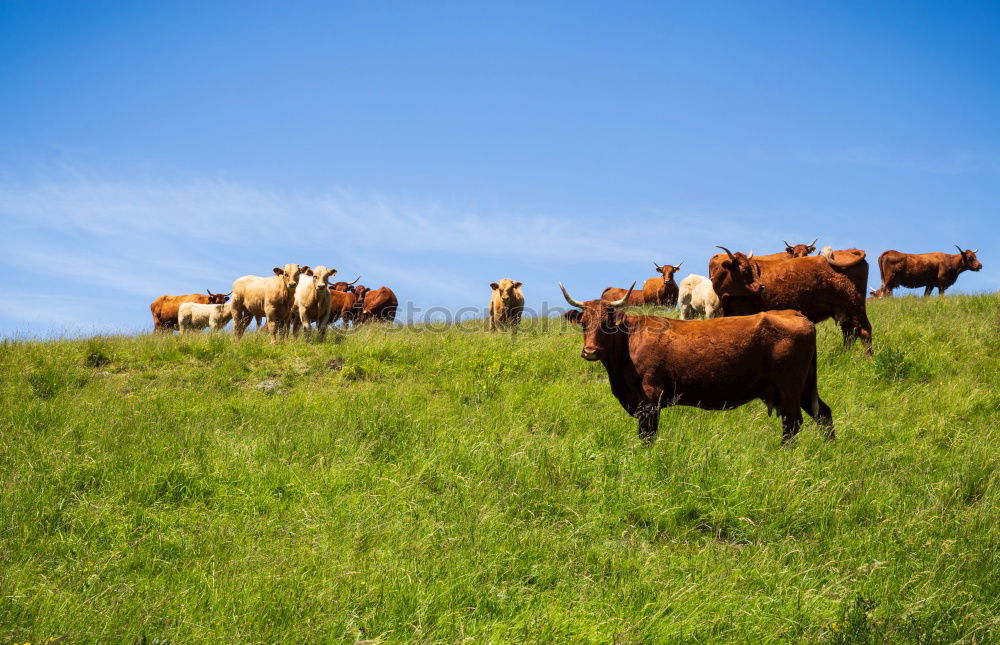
pixel 625 382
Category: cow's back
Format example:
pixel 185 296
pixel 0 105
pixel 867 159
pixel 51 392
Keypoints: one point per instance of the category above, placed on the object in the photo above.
pixel 250 293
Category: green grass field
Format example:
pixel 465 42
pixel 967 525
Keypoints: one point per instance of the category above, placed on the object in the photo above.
pixel 453 486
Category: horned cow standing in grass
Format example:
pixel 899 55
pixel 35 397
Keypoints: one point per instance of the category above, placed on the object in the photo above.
pixel 654 362
pixel 927 270
pixel 272 298
pixel 312 300
pixel 506 304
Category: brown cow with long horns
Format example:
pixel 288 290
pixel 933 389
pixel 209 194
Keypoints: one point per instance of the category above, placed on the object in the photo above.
pixel 927 270
pixel 719 364
pixel 809 285
pixel 655 291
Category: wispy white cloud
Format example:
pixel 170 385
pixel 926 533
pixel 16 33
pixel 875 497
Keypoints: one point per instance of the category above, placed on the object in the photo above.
pixel 134 240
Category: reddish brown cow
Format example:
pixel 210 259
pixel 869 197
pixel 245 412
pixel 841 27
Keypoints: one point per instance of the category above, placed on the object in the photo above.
pixel 166 307
pixel 342 305
pixel 791 251
pixel 852 263
pixel 718 364
pixel 809 285
pixel 378 304
pixel 655 291
pixel 927 270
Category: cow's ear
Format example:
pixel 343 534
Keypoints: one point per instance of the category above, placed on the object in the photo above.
pixel 494 286
pixel 726 264
pixel 574 316
pixel 517 284
pixel 278 271
pixel 620 317
pixel 307 271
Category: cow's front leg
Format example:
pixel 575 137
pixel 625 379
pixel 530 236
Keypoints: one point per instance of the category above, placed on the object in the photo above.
pixel 648 415
pixel 927 290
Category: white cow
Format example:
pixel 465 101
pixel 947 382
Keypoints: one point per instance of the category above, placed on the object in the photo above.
pixel 193 316
pixel 697 298
pixel 312 300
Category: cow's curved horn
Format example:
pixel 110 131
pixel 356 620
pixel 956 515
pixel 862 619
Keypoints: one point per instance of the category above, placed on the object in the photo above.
pixel 230 293
pixel 960 251
pixel 569 298
pixel 813 243
pixel 787 245
pixel 678 267
pixel 355 280
pixel 728 252
pixel 623 299
pixel 750 255
pixel 209 292
pixel 974 251
pixel 658 267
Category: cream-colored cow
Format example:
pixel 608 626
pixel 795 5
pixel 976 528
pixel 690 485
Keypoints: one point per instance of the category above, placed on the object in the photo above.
pixel 506 304
pixel 312 300
pixel 193 316
pixel 272 298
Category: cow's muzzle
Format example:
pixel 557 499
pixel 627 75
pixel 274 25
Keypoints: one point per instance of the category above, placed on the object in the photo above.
pixel 589 353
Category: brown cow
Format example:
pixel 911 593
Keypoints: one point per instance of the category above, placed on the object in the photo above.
pixel 377 304
pixel 342 305
pixel 719 364
pixel 655 291
pixel 791 251
pixel 809 285
pixel 927 270
pixel 166 307
pixel 852 263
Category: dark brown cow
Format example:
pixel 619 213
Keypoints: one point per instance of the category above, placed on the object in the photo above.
pixel 378 304
pixel 718 364
pixel 927 270
pixel 791 251
pixel 809 285
pixel 655 291
pixel 166 307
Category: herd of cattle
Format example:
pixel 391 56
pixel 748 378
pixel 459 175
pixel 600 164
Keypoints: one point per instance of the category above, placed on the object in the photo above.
pixel 757 339
pixel 294 298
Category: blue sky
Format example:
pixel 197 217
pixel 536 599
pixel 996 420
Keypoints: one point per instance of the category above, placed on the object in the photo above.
pixel 150 148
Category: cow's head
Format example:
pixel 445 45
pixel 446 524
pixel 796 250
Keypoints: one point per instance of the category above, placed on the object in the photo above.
pixel 600 319
pixel 667 271
pixel 737 276
pixel 321 276
pixel 344 286
pixel 360 291
pixel 969 259
pixel 507 289
pixel 800 250
pixel 290 274
pixel 217 298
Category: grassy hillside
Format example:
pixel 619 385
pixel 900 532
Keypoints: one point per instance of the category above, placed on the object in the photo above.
pixel 443 486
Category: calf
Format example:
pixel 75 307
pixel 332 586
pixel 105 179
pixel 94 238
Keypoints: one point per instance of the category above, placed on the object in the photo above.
pixel 193 316
pixel 698 299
